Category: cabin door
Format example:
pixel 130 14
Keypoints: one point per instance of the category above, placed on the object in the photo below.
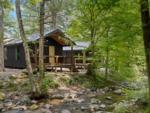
pixel 52 55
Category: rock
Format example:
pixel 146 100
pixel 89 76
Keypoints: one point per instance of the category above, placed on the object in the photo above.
pixel 83 108
pixel 92 95
pixel 99 112
pixel 3 110
pixel 94 107
pixel 34 102
pixel 95 101
pixel 47 106
pixel 24 100
pixel 72 96
pixel 15 111
pixel 100 91
pixel 65 111
pixel 22 108
pixel 43 111
pixel 58 96
pixel 1 107
pixel 102 106
pixel 79 100
pixel 8 104
pixel 34 107
pixel 74 108
pixel 118 92
pixel 102 112
pixel 109 98
pixel 108 102
pixel 106 89
pixel 81 93
pixel 125 84
pixel 93 89
pixel 2 96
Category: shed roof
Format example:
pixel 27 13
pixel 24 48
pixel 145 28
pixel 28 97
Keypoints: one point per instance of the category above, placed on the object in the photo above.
pixel 78 46
pixel 52 34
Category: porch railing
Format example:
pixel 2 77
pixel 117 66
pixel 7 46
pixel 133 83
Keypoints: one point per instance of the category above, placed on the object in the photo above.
pixel 61 59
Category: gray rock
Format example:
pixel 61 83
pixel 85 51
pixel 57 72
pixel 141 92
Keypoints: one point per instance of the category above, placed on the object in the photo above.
pixel 99 112
pixel 95 101
pixel 106 89
pixel 15 111
pixel 47 106
pixel 79 100
pixel 94 107
pixel 44 111
pixel 58 96
pixel 83 108
pixel 25 100
pixel 34 102
pixel 8 104
pixel 102 106
pixel 65 111
pixel 118 92
pixel 109 98
pixel 72 96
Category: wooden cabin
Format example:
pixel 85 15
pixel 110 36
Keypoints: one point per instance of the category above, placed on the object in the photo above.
pixel 54 42
pixel 80 53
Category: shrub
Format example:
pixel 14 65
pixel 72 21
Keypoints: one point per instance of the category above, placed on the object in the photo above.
pixel 47 83
pixel 122 107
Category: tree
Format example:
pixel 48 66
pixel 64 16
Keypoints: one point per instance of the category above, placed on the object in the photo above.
pixel 41 48
pixel 145 16
pixel 1 37
pixel 41 41
pixel 26 48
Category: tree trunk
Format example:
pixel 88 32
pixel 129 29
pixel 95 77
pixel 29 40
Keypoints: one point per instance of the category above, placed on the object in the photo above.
pixel 107 62
pixel 1 38
pixel 26 48
pixel 107 56
pixel 41 41
pixel 146 35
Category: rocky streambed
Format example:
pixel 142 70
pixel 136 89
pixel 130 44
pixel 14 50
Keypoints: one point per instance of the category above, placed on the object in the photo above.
pixel 64 99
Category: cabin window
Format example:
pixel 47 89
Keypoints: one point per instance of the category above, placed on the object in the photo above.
pixel 17 53
pixel 5 53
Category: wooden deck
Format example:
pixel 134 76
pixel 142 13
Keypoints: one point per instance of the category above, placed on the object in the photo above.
pixel 62 62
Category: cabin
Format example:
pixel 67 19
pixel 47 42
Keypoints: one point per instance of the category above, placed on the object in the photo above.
pixel 54 41
pixel 80 53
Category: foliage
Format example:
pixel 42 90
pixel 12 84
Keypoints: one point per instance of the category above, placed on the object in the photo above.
pixel 122 107
pixel 48 82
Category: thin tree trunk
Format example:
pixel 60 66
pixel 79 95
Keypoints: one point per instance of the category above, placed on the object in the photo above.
pixel 107 55
pixel 107 62
pixel 26 48
pixel 146 36
pixel 1 38
pixel 41 41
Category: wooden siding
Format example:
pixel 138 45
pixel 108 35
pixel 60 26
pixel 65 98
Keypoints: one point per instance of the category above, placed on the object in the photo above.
pixel 11 60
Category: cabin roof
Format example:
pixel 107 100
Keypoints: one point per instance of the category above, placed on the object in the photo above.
pixel 54 34
pixel 78 46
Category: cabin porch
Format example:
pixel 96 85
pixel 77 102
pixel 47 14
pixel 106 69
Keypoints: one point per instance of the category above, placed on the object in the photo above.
pixel 57 62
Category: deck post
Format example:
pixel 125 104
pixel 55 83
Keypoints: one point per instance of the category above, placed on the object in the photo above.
pixel 84 57
pixel 72 59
